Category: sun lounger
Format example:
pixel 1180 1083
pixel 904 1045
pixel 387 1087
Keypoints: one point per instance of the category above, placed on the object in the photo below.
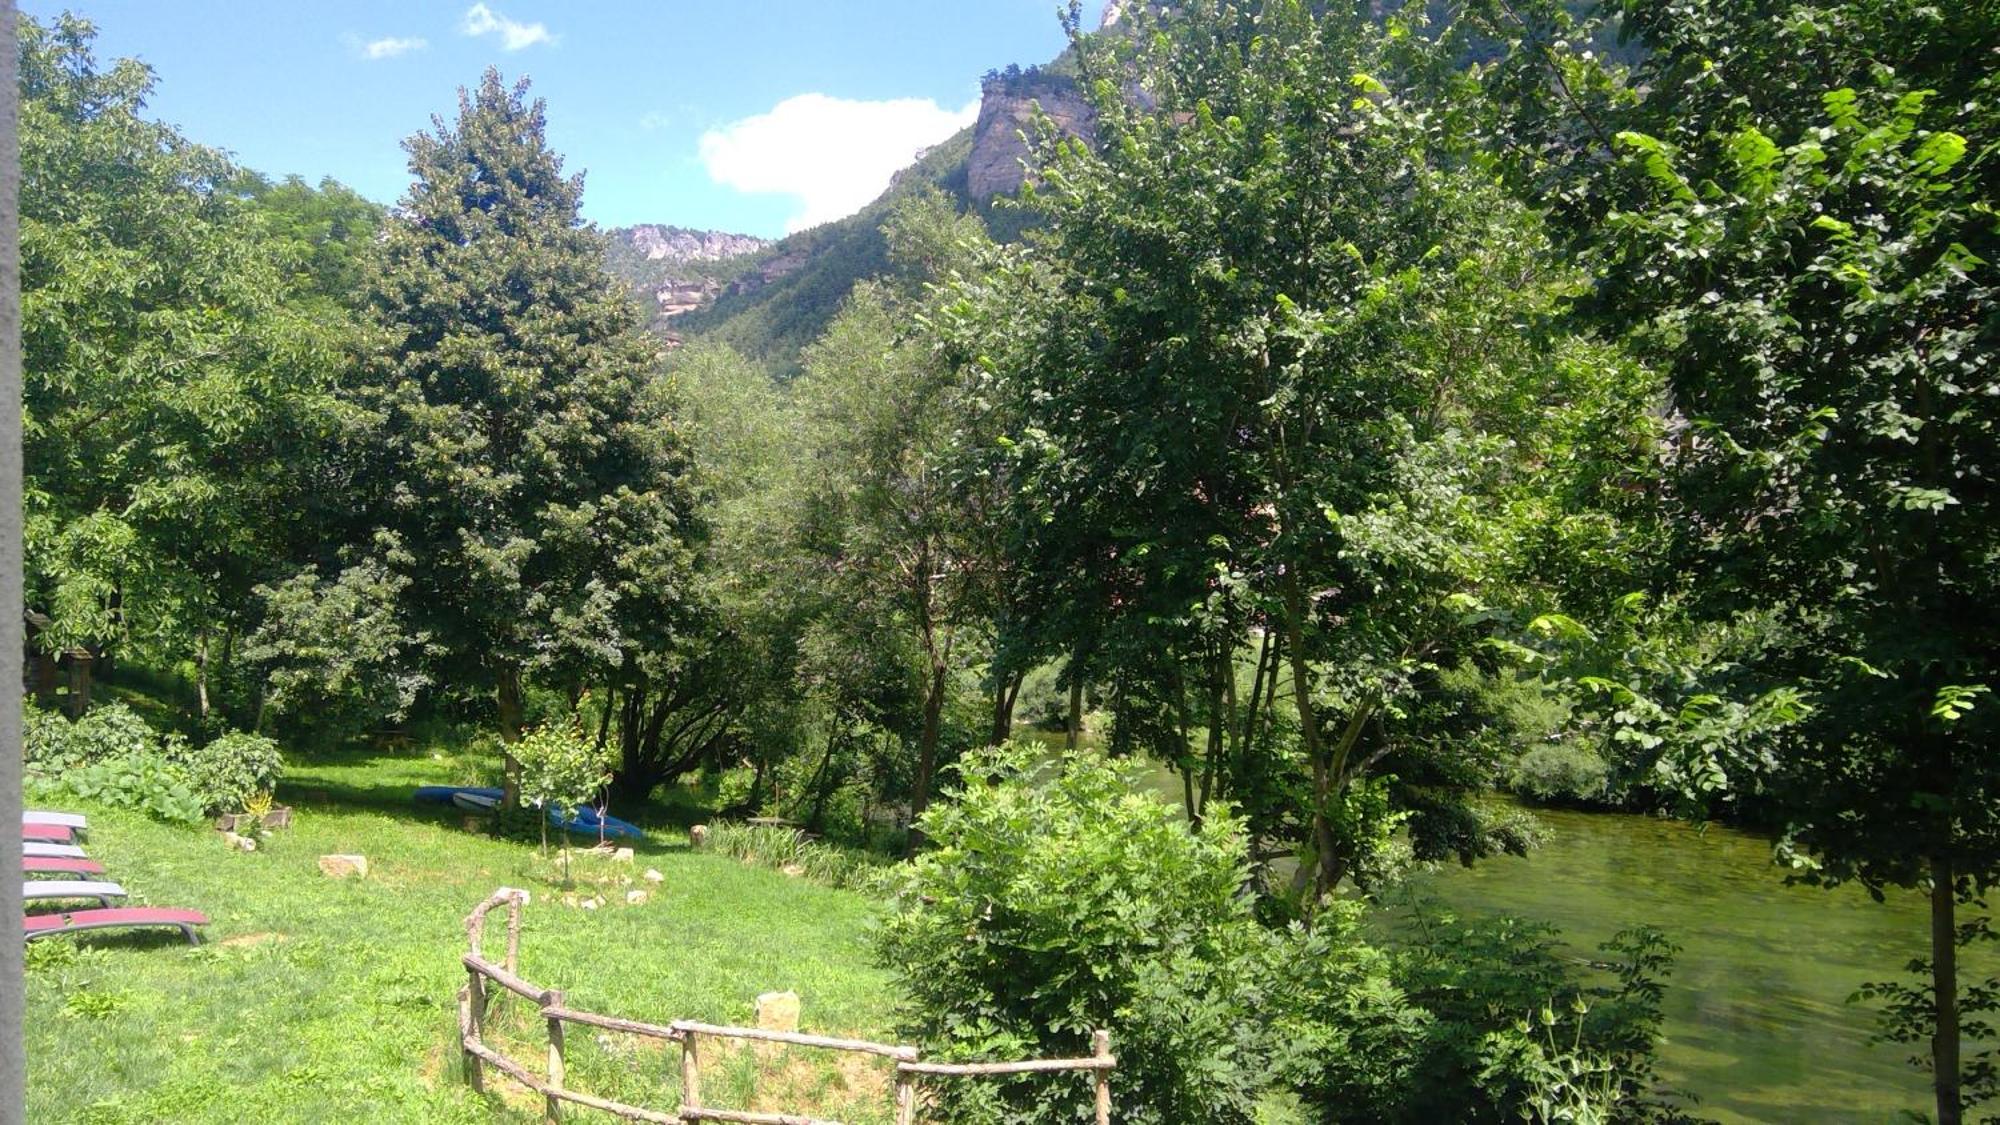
pixel 54 865
pixel 44 890
pixel 51 851
pixel 118 917
pixel 70 820
pixel 48 833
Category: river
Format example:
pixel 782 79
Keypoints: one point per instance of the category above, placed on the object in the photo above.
pixel 1757 1020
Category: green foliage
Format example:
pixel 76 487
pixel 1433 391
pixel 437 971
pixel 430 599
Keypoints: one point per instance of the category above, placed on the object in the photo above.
pixel 230 770
pixel 144 780
pixel 1560 773
pixel 336 657
pixel 562 767
pixel 114 756
pixel 1909 1012
pixel 529 466
pixel 167 358
pixel 1056 900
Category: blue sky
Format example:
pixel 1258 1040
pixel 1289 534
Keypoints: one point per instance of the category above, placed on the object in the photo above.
pixel 757 116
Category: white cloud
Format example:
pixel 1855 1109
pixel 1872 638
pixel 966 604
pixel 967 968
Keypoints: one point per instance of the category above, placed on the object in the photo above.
pixel 482 20
pixel 832 154
pixel 391 46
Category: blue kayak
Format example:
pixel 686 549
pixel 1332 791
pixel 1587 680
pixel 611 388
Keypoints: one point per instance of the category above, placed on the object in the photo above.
pixel 588 822
pixel 442 794
pixel 585 821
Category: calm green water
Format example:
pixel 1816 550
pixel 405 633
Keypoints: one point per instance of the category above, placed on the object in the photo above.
pixel 1757 1023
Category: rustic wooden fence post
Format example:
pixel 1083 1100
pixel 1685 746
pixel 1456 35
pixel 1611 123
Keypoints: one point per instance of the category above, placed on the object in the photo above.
pixel 553 998
pixel 1101 1048
pixel 906 1098
pixel 690 1072
pixel 475 1027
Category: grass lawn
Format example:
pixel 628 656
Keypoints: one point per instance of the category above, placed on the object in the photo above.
pixel 315 999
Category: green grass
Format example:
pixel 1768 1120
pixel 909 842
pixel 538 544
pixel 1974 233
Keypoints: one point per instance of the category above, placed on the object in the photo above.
pixel 313 999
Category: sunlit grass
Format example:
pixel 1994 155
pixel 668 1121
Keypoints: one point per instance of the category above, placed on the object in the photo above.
pixel 321 1000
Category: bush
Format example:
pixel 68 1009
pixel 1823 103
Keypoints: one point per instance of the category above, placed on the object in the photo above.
pixel 1059 898
pixel 111 755
pixel 144 781
pixel 1561 773
pixel 227 771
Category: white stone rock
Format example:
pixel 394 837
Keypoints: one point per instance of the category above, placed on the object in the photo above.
pixel 653 876
pixel 342 866
pixel 634 898
pixel 622 855
pixel 778 1011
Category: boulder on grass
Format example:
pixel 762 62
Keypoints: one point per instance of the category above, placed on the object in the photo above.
pixel 778 1011
pixel 634 898
pixel 342 866
pixel 653 876
pixel 622 855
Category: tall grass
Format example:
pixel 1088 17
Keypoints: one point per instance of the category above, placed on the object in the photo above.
pixel 793 852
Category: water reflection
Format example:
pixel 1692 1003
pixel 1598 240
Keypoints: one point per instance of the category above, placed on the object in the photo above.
pixel 1757 1020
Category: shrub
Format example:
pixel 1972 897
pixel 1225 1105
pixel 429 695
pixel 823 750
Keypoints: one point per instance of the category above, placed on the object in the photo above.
pixel 1560 773
pixel 47 747
pixel 111 756
pixel 146 781
pixel 229 770
pixel 1059 898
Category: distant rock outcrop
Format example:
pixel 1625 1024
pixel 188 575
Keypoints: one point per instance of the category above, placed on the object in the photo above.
pixel 1007 117
pixel 677 270
pixel 658 243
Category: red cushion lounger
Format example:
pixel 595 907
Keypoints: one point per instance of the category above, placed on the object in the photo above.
pixel 54 865
pixel 76 921
pixel 48 833
pixel 46 890
pixel 51 851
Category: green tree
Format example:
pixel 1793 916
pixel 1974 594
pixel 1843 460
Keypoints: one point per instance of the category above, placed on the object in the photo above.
pixel 1281 389
pixel 900 527
pixel 1795 223
pixel 174 371
pixel 532 473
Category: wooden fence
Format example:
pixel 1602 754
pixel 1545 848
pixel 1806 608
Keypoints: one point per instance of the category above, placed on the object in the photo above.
pixel 483 974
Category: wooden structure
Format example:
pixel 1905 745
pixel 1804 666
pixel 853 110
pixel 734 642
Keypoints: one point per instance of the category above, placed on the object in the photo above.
pixel 483 974
pixel 54 679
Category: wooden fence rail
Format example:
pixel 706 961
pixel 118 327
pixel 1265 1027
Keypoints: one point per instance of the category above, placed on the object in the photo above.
pixel 555 1012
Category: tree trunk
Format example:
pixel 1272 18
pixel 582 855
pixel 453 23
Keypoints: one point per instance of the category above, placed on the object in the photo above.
pixel 1004 695
pixel 1944 986
pixel 1327 868
pixel 920 797
pixel 201 675
pixel 1075 723
pixel 507 694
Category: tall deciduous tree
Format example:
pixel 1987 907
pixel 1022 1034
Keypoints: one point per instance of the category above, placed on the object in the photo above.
pixel 535 480
pixel 177 381
pixel 1790 210
pixel 1284 387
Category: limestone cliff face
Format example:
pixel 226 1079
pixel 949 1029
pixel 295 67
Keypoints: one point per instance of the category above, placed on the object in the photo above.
pixel 675 269
pixel 1007 116
pixel 678 244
